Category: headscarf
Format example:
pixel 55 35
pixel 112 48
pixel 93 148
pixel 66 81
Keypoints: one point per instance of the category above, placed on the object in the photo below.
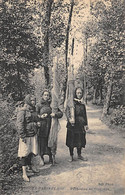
pixel 28 99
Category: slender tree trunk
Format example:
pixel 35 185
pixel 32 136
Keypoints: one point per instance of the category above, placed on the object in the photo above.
pixel 20 90
pixel 48 5
pixel 85 64
pixel 108 99
pixel 123 89
pixel 85 91
pixel 94 96
pixel 67 31
pixel 67 43
pixel 100 95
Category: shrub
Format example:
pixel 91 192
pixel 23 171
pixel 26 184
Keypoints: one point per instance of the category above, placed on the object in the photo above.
pixel 118 116
pixel 8 134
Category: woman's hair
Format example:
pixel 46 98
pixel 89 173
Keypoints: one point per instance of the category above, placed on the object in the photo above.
pixel 50 98
pixel 76 90
pixel 46 90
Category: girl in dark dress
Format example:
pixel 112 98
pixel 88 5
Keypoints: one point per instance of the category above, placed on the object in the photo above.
pixel 76 133
pixel 45 114
pixel 44 110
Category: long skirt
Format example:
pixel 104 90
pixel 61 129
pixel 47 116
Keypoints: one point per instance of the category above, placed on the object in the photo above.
pixel 31 146
pixel 43 148
pixel 76 138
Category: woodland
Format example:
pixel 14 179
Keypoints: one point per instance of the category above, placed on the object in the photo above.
pixel 33 33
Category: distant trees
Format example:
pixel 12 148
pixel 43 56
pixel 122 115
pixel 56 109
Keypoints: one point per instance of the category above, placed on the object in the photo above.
pixel 105 57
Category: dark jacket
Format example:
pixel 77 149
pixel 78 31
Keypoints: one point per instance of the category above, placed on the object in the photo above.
pixel 45 124
pixel 27 121
pixel 42 108
pixel 80 115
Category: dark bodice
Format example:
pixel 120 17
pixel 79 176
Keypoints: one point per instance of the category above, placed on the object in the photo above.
pixel 80 116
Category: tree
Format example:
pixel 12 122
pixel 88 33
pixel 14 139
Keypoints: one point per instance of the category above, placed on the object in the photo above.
pixel 113 29
pixel 19 52
pixel 105 58
pixel 45 25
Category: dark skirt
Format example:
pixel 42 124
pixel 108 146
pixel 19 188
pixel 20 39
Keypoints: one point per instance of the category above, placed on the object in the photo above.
pixel 43 148
pixel 76 137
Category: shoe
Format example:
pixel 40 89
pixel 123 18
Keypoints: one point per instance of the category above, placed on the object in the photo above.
pixel 25 178
pixel 42 162
pixel 82 158
pixel 34 169
pixel 51 161
pixel 71 159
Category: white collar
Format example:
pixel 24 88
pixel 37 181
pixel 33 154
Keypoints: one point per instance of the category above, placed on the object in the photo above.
pixel 80 101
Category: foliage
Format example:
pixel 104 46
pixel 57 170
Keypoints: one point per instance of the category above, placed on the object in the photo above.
pixel 57 30
pixel 118 116
pixel 105 56
pixel 8 134
pixel 19 51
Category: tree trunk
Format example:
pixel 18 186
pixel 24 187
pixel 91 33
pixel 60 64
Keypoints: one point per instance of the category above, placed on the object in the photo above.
pixel 85 91
pixel 19 87
pixel 108 99
pixel 67 43
pixel 94 96
pixel 67 31
pixel 100 96
pixel 123 89
pixel 48 5
pixel 85 64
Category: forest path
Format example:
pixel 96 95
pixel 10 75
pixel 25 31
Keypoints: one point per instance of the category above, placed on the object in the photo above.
pixel 102 174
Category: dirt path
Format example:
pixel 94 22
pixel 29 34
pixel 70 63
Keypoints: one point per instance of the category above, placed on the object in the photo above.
pixel 102 174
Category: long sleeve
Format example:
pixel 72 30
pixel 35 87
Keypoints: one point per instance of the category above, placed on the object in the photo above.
pixel 21 123
pixel 85 116
pixel 38 108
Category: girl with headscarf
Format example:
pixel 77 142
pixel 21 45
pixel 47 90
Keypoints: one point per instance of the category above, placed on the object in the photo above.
pixel 27 127
pixel 76 132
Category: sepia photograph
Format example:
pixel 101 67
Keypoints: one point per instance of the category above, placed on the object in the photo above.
pixel 62 97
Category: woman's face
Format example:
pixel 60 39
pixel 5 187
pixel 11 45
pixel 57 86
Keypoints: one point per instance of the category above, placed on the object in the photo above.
pixel 46 96
pixel 33 102
pixel 79 93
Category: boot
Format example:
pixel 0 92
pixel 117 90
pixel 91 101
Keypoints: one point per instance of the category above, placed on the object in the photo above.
pixel 54 160
pixel 50 160
pixel 71 158
pixel 42 161
pixel 82 158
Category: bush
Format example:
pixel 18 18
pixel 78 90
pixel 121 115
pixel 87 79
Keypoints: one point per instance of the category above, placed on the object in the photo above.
pixel 118 116
pixel 8 134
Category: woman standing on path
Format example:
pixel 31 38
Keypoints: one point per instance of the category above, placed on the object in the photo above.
pixel 45 114
pixel 27 126
pixel 44 110
pixel 76 133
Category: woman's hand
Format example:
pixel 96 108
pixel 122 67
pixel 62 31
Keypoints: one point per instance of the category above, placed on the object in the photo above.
pixel 86 128
pixel 24 139
pixel 52 115
pixel 38 124
pixel 43 115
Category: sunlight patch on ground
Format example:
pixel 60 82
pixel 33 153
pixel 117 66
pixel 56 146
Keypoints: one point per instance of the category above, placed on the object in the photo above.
pixel 94 111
